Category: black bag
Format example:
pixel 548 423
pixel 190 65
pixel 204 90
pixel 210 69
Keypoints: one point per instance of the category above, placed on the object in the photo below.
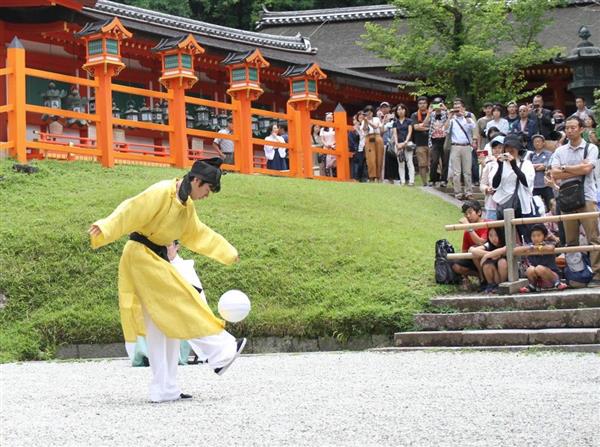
pixel 571 195
pixel 443 267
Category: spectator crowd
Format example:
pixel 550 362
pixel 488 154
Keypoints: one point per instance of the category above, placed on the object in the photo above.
pixel 521 156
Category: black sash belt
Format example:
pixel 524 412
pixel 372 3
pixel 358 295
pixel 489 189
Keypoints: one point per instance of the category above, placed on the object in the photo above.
pixel 160 250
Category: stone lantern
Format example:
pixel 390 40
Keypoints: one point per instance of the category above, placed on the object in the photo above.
pixel 584 60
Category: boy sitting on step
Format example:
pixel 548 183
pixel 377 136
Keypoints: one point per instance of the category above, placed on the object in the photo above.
pixel 466 267
pixel 542 272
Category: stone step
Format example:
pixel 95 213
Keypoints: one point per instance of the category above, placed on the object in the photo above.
pixel 521 319
pixel 507 348
pixel 566 299
pixel 477 195
pixel 499 337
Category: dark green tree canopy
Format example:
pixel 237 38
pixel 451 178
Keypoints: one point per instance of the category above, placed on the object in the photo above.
pixel 475 49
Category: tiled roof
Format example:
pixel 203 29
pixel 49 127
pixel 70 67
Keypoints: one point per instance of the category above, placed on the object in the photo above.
pixel 295 43
pixel 235 57
pixel 353 13
pixel 92 27
pixel 295 70
pixel 274 18
pixel 169 43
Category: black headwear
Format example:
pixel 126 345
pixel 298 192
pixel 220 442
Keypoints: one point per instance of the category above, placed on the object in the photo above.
pixel 207 171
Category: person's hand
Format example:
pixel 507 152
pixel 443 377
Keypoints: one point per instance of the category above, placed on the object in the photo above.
pixel 463 220
pixel 485 258
pixel 509 158
pixel 94 230
pixel 489 190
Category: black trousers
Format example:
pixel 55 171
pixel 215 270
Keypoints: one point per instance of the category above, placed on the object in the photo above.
pixel 358 166
pixel 438 156
pixel 546 193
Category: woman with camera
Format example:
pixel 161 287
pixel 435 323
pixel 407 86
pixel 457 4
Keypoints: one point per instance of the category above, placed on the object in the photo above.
pixel 513 182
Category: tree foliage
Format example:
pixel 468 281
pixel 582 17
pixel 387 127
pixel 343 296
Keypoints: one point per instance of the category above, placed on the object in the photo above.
pixel 475 49
pixel 241 14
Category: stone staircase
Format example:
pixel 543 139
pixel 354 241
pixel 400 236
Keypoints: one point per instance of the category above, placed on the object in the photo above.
pixel 568 319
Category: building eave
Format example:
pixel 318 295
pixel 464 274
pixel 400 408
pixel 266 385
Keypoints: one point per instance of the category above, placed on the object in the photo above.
pixel 297 43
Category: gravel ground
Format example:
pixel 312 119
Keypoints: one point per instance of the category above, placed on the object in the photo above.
pixel 318 399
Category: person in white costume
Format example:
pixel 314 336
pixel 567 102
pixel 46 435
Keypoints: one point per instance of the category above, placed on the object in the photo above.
pixel 185 267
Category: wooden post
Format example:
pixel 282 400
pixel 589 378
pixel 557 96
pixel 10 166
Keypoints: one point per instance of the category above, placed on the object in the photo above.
pixel 3 84
pixel 514 283
pixel 294 139
pixel 104 126
pixel 17 125
pixel 305 140
pixel 242 122
pixel 341 143
pixel 177 119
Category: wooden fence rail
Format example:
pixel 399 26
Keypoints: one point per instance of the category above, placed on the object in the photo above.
pixel 509 223
pixel 107 146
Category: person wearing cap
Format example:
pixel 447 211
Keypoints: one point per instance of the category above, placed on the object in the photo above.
pixel 574 161
pixel 515 175
pixel 436 123
pixel 154 299
pixel 540 158
pixel 487 174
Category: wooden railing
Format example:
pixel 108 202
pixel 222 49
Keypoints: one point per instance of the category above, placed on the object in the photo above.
pixel 509 224
pixel 177 152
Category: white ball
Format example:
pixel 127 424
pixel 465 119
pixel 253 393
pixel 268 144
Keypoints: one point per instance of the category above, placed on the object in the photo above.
pixel 234 306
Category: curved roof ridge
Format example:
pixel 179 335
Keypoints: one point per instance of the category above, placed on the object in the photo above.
pixel 328 14
pixel 295 43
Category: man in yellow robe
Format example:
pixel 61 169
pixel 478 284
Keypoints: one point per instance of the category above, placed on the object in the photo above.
pixel 154 299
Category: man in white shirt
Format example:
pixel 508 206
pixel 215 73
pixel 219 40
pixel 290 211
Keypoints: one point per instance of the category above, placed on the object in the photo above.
pixel 582 111
pixel 225 145
pixel 570 163
pixel 460 127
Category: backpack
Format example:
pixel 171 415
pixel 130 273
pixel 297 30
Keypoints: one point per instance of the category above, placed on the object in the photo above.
pixel 578 269
pixel 443 267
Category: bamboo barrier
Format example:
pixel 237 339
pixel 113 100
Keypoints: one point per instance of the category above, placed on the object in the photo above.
pixel 523 221
pixel 557 250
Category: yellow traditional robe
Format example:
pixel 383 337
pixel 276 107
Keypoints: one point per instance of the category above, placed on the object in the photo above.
pixel 145 278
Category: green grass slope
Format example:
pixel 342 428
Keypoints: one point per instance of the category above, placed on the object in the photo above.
pixel 317 258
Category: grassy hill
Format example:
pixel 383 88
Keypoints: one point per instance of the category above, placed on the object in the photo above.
pixel 317 258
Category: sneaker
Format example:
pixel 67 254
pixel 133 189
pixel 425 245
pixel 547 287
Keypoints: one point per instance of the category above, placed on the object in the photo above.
pixel 185 396
pixel 530 288
pixel 491 289
pixel 443 184
pixel 411 184
pixel 468 196
pixel 241 344
pixel 560 285
pixel 459 196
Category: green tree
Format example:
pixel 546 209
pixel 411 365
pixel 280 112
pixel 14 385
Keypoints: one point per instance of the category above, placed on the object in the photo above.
pixel 179 7
pixel 475 49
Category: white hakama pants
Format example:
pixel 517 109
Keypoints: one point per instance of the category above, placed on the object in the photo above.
pixel 163 355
